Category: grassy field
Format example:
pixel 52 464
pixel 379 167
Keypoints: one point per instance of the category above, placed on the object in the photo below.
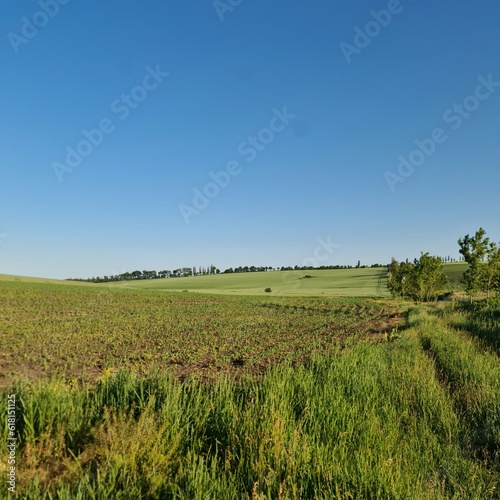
pixel 454 272
pixel 338 282
pixel 124 392
pixel 325 404
pixel 366 282
pixel 32 279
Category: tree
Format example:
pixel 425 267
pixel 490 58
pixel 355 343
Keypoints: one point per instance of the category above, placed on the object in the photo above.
pixel 428 278
pixel 489 272
pixel 400 278
pixel 473 249
pixel 420 280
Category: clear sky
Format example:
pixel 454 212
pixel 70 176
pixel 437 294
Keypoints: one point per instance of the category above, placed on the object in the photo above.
pixel 307 105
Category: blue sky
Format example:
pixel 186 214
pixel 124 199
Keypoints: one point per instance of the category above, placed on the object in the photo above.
pixel 355 102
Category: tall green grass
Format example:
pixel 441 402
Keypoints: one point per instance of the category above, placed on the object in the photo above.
pixel 482 322
pixel 370 422
pixel 471 372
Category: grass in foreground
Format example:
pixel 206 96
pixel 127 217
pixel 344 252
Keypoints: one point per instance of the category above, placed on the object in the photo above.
pixel 471 372
pixel 374 422
pixel 415 417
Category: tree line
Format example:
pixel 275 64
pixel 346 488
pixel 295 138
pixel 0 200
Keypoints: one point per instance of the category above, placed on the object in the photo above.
pixel 148 275
pixel 209 270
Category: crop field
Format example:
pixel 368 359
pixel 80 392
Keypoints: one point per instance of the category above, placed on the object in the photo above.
pixel 83 332
pixel 414 414
pixel 363 282
pixel 329 282
pixel 131 393
pixel 32 279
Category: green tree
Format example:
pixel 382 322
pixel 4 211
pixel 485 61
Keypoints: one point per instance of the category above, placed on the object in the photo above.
pixel 400 278
pixel 428 278
pixel 489 272
pixel 421 280
pixel 474 249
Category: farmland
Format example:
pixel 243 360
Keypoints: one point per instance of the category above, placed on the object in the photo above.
pixel 126 392
pixel 337 282
pixel 363 282
pixel 330 283
pixel 81 332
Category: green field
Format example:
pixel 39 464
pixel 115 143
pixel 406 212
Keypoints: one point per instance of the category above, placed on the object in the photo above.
pixel 32 279
pixel 367 282
pixel 82 332
pixel 123 391
pixel 454 272
pixel 346 283
pixel 338 282
pixel 138 394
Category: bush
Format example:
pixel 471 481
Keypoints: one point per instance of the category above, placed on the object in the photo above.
pixel 268 290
